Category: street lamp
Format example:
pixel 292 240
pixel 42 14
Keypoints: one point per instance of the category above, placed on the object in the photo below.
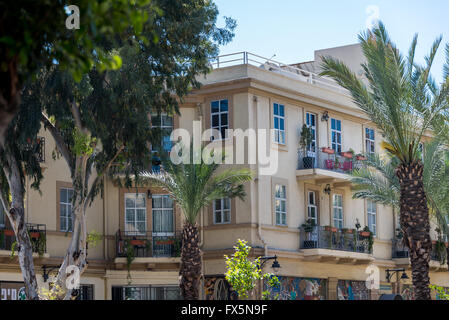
pixel 391 272
pixel 276 266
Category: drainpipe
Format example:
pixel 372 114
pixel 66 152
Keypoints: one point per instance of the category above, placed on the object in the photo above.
pixel 200 118
pixel 255 192
pixel 256 183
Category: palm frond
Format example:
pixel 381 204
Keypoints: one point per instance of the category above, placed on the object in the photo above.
pixel 195 185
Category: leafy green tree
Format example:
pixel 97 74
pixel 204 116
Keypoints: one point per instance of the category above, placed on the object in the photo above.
pixel 243 274
pixel 19 162
pixel 403 100
pixel 441 292
pixel 194 186
pixel 34 33
pixel 104 119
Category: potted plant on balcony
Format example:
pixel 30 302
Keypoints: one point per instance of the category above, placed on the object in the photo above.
pixel 348 154
pixel 9 233
pixel 330 228
pixel 308 228
pixel 305 139
pixel 367 236
pixel 360 157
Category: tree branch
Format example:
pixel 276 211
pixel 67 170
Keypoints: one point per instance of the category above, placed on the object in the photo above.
pixel 59 141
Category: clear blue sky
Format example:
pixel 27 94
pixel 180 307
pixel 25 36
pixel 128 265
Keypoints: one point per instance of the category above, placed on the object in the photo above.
pixel 293 29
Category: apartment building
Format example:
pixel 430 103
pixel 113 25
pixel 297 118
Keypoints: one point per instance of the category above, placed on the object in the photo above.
pixel 331 259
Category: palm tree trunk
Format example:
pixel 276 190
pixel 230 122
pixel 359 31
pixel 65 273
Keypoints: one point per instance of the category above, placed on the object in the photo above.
pixel 190 270
pixel 415 225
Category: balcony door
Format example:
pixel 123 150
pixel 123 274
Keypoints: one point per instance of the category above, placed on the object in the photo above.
pixel 163 225
pixel 312 207
pixel 312 147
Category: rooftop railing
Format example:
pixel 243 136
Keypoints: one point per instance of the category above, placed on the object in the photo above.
pixel 319 237
pixel 296 73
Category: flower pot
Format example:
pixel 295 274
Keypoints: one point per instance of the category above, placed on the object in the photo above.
pixel 309 162
pixel 347 155
pixel 310 244
pixel 332 229
pixel 35 235
pixel 9 233
pixel 360 158
pixel 348 231
pixel 164 242
pixel 328 150
pixel 365 233
pixel 137 242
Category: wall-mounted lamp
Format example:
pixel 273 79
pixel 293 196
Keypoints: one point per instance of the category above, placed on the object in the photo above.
pixel 276 266
pixel 327 189
pixel 391 272
pixel 325 116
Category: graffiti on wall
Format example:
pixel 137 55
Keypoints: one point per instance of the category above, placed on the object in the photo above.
pixel 293 288
pixel 352 290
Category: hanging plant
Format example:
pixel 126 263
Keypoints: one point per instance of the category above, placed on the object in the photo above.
pixel 129 251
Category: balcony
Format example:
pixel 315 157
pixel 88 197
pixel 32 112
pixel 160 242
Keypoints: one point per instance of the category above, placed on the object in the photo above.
pixel 329 244
pixel 327 167
pixel 38 238
pixel 148 245
pixel 401 255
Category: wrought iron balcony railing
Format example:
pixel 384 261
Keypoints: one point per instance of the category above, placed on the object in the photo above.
pixel 38 238
pixel 327 161
pixel 319 237
pixel 148 244
pixel 399 250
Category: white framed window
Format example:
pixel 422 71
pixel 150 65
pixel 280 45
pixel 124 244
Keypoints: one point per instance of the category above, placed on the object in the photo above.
pixel 337 208
pixel 65 209
pixel 279 123
pixel 222 211
pixel 280 201
pixel 135 213
pixel 162 212
pixel 312 209
pixel 371 210
pixel 219 118
pixel 370 143
pixel 165 123
pixel 336 134
pixel 311 123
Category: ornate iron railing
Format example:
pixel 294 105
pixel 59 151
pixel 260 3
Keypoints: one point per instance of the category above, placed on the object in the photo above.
pixel 148 244
pixel 319 237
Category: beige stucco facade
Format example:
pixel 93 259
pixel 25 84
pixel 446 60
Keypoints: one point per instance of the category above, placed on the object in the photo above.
pixel 251 92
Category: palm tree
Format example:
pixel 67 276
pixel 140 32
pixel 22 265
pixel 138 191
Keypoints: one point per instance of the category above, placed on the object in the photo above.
pixel 193 187
pixel 376 181
pixel 403 101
